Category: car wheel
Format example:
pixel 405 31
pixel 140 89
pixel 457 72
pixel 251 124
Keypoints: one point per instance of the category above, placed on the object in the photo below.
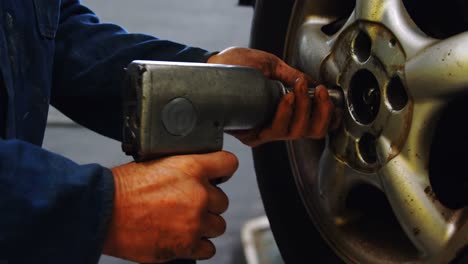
pixel 390 185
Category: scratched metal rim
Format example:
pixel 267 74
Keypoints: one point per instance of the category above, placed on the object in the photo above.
pixel 368 190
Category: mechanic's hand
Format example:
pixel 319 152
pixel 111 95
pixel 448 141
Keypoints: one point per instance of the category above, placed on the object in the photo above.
pixel 296 116
pixel 168 209
pixel 271 66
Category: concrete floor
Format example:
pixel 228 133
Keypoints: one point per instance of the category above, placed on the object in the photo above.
pixel 211 24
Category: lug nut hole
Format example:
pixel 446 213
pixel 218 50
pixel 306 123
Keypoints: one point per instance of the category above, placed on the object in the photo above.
pixel 396 94
pixel 367 148
pixel 364 94
pixel 362 46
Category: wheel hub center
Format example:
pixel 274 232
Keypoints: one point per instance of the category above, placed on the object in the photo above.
pixel 364 96
pixel 378 113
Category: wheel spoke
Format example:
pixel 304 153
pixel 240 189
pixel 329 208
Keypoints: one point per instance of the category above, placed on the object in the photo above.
pixel 332 181
pixel 372 10
pixel 459 241
pixel 308 45
pixel 335 180
pixel 393 14
pixel 406 183
pixel 420 214
pixel 440 70
pixel 312 46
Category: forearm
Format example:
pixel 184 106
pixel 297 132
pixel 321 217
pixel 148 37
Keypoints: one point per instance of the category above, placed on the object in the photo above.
pixel 53 210
pixel 89 66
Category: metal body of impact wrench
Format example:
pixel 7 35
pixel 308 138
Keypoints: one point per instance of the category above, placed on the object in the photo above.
pixel 183 108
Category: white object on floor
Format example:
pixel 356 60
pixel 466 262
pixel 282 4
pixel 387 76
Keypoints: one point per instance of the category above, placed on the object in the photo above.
pixel 258 242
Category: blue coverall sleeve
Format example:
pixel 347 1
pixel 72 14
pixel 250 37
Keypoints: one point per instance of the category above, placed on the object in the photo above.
pixel 89 62
pixel 89 66
pixel 52 210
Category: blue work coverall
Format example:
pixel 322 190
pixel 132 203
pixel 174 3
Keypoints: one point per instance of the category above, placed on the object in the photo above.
pixel 56 51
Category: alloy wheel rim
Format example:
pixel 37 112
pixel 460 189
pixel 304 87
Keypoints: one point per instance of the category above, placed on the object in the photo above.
pixel 396 81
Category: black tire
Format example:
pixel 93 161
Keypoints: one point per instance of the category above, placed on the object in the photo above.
pixel 295 234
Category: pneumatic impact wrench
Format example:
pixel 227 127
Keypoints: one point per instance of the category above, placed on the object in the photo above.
pixel 184 108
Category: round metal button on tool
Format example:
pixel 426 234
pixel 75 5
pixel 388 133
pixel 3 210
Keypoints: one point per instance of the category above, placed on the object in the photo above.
pixel 179 116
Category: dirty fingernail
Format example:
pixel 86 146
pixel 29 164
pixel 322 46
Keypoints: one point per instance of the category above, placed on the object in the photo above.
pixel 322 93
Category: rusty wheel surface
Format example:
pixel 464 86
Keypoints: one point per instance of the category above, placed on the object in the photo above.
pixel 390 185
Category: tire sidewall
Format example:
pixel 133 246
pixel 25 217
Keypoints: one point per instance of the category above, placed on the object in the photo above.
pixel 295 234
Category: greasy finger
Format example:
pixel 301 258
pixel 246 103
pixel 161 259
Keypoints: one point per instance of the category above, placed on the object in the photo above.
pixel 216 165
pixel 214 226
pixel 321 114
pixel 285 73
pixel 300 121
pixel 336 119
pixel 204 250
pixel 218 201
pixel 280 125
pixel 282 119
pixel 311 82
